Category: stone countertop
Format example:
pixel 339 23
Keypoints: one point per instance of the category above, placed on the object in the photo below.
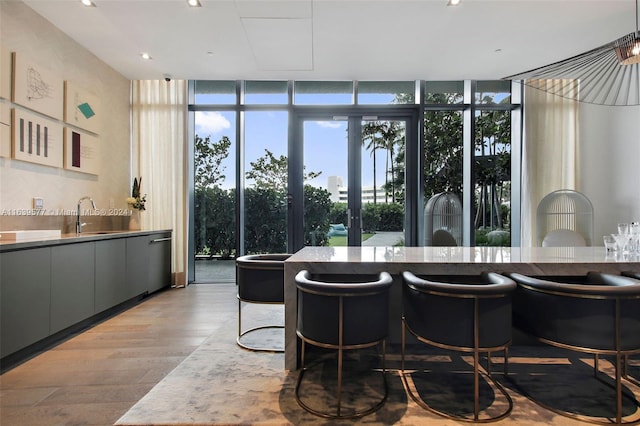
pixel 73 238
pixel 450 256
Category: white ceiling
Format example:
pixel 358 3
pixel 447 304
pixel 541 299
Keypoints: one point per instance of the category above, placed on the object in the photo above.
pixel 337 39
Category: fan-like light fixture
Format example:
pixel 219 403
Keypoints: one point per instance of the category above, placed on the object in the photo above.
pixel 606 75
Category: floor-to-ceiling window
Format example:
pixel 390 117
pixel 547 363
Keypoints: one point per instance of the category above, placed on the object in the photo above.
pixel 346 162
pixel 214 146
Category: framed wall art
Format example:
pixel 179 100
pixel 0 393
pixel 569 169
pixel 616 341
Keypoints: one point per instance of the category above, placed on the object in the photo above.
pixel 37 88
pixel 5 129
pixel 81 152
pixel 5 72
pixel 36 139
pixel 82 108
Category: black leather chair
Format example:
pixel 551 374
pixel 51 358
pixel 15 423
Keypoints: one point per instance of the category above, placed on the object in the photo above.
pixel 625 372
pixel 260 279
pixel 342 312
pixel 600 316
pixel 472 317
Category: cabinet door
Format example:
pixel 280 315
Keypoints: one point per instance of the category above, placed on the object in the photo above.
pixel 25 280
pixel 111 283
pixel 159 261
pixel 137 265
pixel 72 284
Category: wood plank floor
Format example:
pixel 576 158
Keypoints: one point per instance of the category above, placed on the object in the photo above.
pixel 94 377
pixel 182 340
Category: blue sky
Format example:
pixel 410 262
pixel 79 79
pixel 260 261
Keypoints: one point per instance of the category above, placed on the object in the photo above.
pixel 325 143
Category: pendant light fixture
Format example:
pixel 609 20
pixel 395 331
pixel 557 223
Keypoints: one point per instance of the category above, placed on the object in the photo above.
pixel 606 75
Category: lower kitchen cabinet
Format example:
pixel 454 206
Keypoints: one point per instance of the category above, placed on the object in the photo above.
pixel 72 284
pixel 159 262
pixel 25 298
pixel 138 264
pixel 51 286
pixel 111 286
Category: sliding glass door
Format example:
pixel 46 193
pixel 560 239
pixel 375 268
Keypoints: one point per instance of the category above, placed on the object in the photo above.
pixel 348 188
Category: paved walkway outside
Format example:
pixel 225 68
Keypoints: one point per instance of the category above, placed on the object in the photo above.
pixel 384 239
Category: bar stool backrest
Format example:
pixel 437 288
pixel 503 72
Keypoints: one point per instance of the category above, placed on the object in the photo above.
pixel 444 313
pixel 364 300
pixel 580 315
pixel 260 277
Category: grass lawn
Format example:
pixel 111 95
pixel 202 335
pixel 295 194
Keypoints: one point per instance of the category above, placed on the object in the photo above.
pixel 341 241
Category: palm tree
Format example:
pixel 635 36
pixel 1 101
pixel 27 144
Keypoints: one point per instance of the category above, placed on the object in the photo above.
pixel 371 134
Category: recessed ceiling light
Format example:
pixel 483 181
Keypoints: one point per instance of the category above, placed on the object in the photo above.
pixel 194 3
pixel 453 2
pixel 146 56
pixel 88 3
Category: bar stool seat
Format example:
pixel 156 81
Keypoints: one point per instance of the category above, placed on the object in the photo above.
pixel 342 313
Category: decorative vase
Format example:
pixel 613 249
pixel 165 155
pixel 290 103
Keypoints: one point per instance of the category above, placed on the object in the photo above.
pixel 134 220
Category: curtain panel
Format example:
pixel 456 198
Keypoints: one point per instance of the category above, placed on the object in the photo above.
pixel 550 148
pixel 158 155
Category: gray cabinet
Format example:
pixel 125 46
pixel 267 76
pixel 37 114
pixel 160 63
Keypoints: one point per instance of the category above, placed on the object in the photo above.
pixel 25 298
pixel 159 262
pixel 137 265
pixel 49 287
pixel 149 262
pixel 72 284
pixel 111 284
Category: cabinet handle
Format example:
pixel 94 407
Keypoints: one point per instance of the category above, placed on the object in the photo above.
pixel 159 240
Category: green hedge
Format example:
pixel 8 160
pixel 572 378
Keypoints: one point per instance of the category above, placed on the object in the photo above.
pixel 265 220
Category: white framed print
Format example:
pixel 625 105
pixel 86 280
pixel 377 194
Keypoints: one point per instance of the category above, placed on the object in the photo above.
pixel 37 88
pixel 5 129
pixel 36 139
pixel 81 152
pixel 5 72
pixel 82 108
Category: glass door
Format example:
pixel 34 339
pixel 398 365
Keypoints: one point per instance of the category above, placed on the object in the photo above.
pixel 351 181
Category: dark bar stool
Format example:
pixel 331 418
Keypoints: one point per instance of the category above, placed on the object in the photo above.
pixel 347 313
pixel 473 318
pixel 625 372
pixel 599 315
pixel 260 279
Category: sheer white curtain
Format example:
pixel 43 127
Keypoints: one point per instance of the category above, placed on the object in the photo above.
pixel 159 144
pixel 550 149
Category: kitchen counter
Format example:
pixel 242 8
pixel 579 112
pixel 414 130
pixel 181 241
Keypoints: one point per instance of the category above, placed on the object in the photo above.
pixel 11 245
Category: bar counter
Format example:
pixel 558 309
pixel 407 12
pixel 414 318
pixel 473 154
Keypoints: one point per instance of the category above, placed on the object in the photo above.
pixel 538 261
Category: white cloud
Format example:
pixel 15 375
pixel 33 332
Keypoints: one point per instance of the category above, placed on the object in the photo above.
pixel 330 124
pixel 211 122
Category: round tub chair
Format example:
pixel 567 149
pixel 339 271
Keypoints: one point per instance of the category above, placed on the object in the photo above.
pixel 599 316
pixel 260 279
pixel 342 312
pixel 466 317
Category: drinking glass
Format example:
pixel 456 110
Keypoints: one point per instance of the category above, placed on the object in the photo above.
pixel 623 228
pixel 610 243
pixel 622 241
pixel 634 229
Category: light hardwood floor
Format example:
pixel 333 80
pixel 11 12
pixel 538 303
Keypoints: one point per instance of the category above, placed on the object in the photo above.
pixel 94 377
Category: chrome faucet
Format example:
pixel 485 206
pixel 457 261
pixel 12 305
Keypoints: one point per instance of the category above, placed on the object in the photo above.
pixel 79 225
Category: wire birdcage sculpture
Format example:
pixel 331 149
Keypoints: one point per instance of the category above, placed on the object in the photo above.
pixel 443 220
pixel 565 210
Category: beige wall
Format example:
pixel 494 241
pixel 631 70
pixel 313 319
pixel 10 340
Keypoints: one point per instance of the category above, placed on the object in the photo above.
pixel 27 33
